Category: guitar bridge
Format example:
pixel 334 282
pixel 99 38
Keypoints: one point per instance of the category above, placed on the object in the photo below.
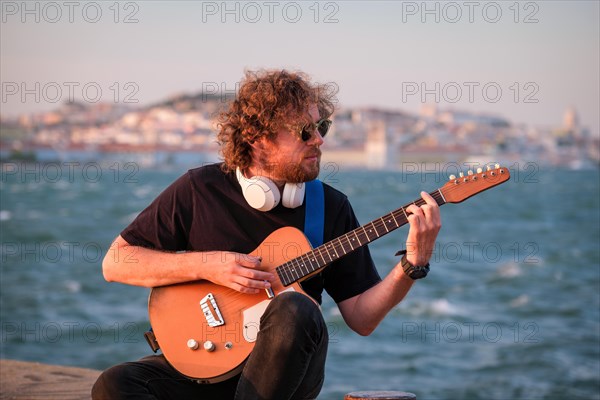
pixel 206 304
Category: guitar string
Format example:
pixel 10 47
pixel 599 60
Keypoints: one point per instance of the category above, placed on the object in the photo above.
pixel 290 266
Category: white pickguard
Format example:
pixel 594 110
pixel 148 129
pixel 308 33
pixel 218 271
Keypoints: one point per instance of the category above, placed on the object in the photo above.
pixel 252 318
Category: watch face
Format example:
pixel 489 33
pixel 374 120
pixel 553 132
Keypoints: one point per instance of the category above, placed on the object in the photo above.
pixel 418 273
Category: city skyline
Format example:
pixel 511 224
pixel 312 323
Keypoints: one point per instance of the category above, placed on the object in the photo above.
pixel 525 61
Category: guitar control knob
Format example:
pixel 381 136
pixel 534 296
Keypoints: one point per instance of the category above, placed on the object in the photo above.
pixel 209 346
pixel 192 344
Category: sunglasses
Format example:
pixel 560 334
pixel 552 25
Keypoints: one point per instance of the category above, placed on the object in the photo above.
pixel 321 125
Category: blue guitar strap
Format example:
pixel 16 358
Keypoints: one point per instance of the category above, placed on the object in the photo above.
pixel 314 220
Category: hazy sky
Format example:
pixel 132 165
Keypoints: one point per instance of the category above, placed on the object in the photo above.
pixel 527 61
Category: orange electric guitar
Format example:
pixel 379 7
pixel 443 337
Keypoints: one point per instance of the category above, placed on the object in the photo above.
pixel 207 331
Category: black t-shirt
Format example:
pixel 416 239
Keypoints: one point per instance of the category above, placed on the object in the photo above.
pixel 205 210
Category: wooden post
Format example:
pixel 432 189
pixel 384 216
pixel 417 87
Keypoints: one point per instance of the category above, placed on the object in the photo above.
pixel 380 395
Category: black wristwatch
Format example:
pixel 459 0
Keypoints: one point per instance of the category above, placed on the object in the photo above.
pixel 414 271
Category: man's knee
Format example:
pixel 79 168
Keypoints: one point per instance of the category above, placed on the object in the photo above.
pixel 295 314
pixel 112 383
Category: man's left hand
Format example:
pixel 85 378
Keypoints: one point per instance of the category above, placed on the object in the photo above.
pixel 425 223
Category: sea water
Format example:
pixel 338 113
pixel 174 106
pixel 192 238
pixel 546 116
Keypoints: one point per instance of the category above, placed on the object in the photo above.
pixel 510 309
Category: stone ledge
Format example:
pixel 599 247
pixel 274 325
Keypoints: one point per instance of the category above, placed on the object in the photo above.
pixel 21 380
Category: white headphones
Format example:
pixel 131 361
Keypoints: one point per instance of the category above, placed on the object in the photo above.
pixel 262 193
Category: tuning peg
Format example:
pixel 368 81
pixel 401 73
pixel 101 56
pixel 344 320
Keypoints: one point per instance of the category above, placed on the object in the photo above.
pixel 461 174
pixel 479 170
pixel 469 172
pixel 452 177
pixel 497 166
pixel 488 168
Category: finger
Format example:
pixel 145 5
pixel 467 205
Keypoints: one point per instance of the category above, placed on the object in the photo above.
pixel 248 260
pixel 432 212
pixel 428 199
pixel 252 283
pixel 243 289
pixel 414 221
pixel 255 274
pixel 414 209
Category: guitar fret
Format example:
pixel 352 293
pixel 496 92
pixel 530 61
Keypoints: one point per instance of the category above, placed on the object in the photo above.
pixel 286 270
pixel 396 222
pixel 329 253
pixel 341 247
pixel 296 268
pixel 366 234
pixel 345 244
pixel 384 225
pixel 373 229
pixel 349 242
pixel 442 197
pixel 320 253
pixel 281 277
pixel 367 240
pixel 336 253
pixel 357 238
pixel 302 263
pixel 314 264
pixel 292 269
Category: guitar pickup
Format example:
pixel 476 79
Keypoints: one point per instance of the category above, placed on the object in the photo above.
pixel 210 309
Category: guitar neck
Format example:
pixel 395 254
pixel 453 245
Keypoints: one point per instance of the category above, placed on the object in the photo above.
pixel 310 263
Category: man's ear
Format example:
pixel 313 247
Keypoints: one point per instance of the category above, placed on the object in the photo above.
pixel 259 143
pixel 256 144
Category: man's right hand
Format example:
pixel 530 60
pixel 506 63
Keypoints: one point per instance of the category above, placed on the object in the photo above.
pixel 241 272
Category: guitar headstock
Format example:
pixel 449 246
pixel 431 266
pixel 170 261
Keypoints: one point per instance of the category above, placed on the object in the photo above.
pixel 460 188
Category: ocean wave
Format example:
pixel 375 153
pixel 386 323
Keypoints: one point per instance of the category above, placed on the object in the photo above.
pixel 509 270
pixel 437 307
pixel 143 192
pixel 72 286
pixel 5 215
pixel 519 301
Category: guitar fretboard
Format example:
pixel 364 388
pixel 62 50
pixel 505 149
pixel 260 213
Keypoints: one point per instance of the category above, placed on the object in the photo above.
pixel 318 258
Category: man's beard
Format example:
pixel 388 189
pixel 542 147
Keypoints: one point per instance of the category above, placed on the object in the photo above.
pixel 292 172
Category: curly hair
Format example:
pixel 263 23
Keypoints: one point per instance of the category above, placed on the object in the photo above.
pixel 267 101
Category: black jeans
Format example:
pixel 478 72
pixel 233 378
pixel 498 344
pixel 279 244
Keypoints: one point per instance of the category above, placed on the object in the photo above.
pixel 287 362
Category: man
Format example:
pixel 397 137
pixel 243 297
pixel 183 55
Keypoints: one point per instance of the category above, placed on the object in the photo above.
pixel 205 224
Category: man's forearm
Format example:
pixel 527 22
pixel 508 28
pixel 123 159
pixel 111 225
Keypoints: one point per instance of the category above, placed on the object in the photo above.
pixel 140 266
pixel 364 312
